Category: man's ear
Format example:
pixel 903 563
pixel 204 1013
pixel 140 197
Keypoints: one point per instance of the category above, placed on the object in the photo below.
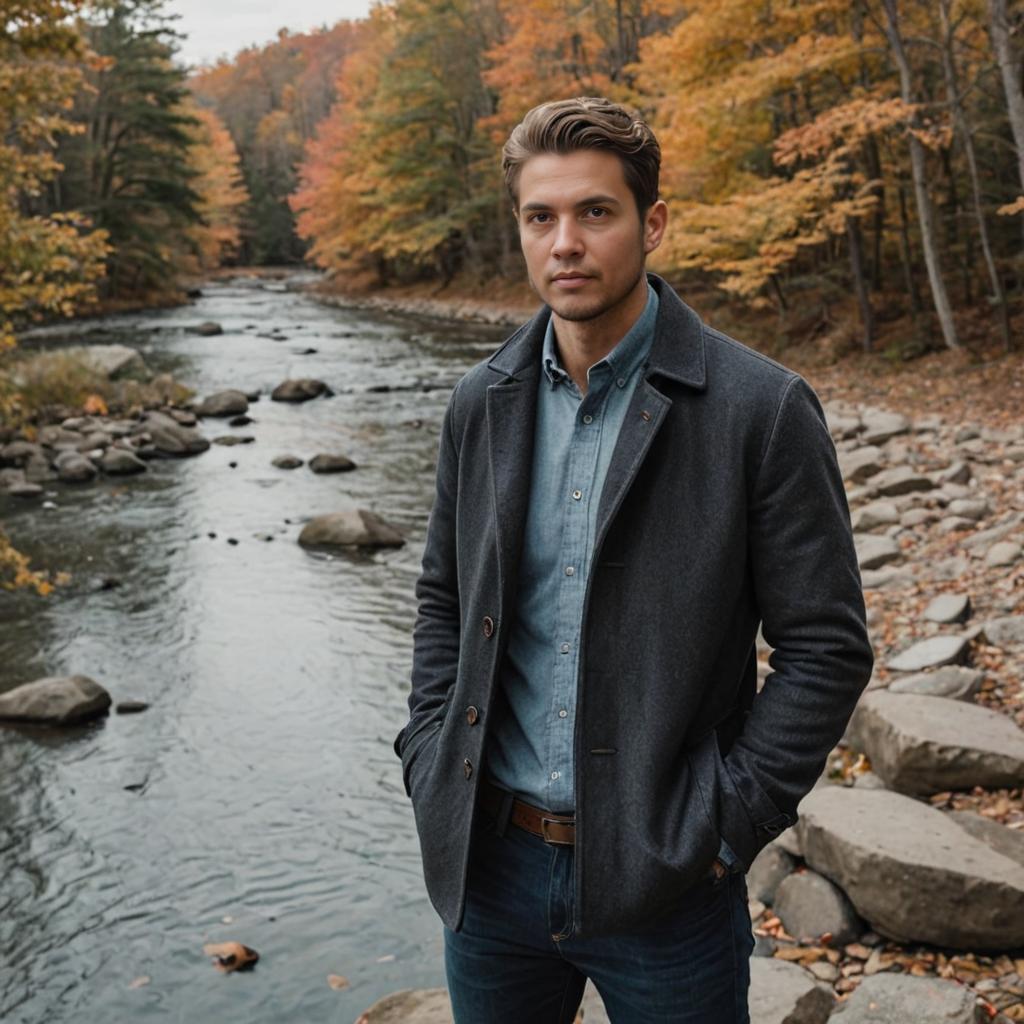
pixel 655 222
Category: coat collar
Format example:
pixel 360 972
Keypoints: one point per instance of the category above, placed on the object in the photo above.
pixel 677 351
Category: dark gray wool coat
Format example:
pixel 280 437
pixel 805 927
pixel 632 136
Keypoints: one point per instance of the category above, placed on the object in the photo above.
pixel 723 508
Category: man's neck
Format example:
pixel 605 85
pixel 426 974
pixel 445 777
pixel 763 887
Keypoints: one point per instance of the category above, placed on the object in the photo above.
pixel 582 343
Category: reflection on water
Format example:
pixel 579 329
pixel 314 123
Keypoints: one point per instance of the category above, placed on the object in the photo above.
pixel 266 802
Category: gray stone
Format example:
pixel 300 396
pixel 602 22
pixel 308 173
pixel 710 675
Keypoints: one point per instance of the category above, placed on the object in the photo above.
pixel 24 490
pixel 841 425
pixel 955 524
pixel 208 328
pixel 868 780
pixel 917 517
pixel 325 463
pixel 922 745
pixel 949 608
pixel 223 403
pixel 56 700
pixel 879 425
pixel 410 1006
pixel 770 867
pixel 299 390
pixel 18 453
pixel 350 528
pixel 955 473
pixel 789 840
pixel 73 468
pixel 945 649
pixel 110 360
pixel 810 906
pixel 1005 632
pixel 287 462
pixel 877 579
pixel 38 470
pixel 873 551
pixel 121 462
pixel 171 438
pixel 1006 552
pixel 784 993
pixel 900 480
pixel 877 513
pixel 956 682
pixel 1007 841
pixel 911 870
pixel 970 508
pixel 983 538
pixel 861 463
pixel 229 440
pixel 905 999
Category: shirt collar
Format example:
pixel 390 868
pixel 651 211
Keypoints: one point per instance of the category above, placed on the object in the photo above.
pixel 627 355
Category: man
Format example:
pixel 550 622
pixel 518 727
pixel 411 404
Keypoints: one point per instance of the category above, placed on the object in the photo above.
pixel 623 495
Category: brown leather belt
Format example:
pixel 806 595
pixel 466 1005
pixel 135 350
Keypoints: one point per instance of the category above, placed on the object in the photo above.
pixel 559 829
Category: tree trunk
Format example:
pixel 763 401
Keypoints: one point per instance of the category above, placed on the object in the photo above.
pixel 999 28
pixel 963 129
pixel 917 165
pixel 867 316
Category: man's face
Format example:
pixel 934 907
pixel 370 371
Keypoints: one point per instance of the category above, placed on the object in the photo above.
pixel 582 235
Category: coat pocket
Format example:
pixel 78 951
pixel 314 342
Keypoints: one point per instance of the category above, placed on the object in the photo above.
pixel 416 743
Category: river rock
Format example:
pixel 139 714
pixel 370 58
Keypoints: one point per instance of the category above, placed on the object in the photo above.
pixel 1006 552
pixel 879 426
pixel 38 470
pixel 24 490
pixel 900 480
pixel 74 468
pixel 873 551
pixel 208 328
pixel 902 999
pixel 769 868
pixel 223 403
pixel 1006 632
pixel 945 649
pixel 784 993
pixel 955 473
pixel 18 453
pixel 229 440
pixel 861 463
pixel 922 745
pixel 301 389
pixel 1007 841
pixel 970 508
pixel 57 700
pixel 410 1006
pixel 810 906
pixel 911 870
pixel 287 462
pixel 956 682
pixel 110 360
pixel 949 608
pixel 121 462
pixel 842 424
pixel 171 438
pixel 324 463
pixel 877 513
pixel 350 528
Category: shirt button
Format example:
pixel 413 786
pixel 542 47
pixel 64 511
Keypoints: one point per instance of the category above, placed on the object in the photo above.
pixel 569 570
pixel 562 713
pixel 565 648
pixel 588 418
pixel 472 715
pixel 577 495
pixel 555 775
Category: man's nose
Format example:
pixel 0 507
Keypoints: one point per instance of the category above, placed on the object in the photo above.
pixel 568 240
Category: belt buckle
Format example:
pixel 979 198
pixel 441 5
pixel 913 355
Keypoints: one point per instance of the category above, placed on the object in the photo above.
pixel 544 822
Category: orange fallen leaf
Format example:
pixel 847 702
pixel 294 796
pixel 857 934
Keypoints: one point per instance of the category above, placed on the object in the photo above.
pixel 337 981
pixel 142 979
pixel 231 956
pixel 95 406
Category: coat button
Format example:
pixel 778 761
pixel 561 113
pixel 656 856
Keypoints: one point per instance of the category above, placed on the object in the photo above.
pixel 488 625
pixel 467 767
pixel 472 715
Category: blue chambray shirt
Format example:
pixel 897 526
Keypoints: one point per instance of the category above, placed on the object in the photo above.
pixel 531 745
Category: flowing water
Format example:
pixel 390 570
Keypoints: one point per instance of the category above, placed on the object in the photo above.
pixel 258 798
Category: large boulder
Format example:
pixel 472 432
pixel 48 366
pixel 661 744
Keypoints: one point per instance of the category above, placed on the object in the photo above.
pixel 911 870
pixel 110 360
pixel 170 438
pixel 121 462
pixel 74 468
pixel 301 389
pixel 223 403
pixel 784 993
pixel 57 700
pixel 810 906
pixel 955 681
pixel 922 745
pixel 880 425
pixel 945 649
pixel 353 527
pixel 410 1006
pixel 904 999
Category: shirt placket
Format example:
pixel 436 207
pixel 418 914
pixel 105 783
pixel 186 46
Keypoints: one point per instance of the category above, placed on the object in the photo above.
pixel 573 568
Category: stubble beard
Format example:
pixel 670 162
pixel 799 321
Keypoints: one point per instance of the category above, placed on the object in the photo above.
pixel 600 305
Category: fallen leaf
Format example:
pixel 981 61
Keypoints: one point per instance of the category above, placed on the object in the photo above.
pixel 231 956
pixel 142 979
pixel 337 981
pixel 386 958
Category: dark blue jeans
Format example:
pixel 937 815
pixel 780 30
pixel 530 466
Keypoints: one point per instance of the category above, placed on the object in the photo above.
pixel 516 961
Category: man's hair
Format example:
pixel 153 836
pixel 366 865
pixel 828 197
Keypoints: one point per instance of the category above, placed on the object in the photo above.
pixel 586 122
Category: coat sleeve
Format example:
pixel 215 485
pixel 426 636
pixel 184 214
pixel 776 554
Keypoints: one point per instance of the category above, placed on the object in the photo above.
pixel 808 590
pixel 436 631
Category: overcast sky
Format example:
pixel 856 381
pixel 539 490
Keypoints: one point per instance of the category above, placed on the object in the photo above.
pixel 217 28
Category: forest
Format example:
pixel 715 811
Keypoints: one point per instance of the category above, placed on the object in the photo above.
pixel 865 156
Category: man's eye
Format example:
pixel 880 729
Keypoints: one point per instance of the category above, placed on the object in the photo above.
pixel 597 211
pixel 539 218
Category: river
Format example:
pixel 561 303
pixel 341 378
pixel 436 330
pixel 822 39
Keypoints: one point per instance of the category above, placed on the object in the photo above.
pixel 258 798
